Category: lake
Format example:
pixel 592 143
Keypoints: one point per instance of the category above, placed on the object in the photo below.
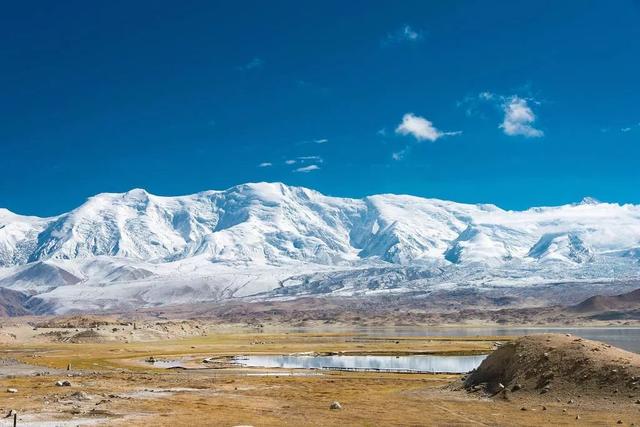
pixel 414 363
pixel 625 338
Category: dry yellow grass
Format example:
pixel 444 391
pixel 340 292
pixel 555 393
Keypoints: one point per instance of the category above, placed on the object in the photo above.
pixel 114 378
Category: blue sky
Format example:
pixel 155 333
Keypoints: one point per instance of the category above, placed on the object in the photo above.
pixel 516 103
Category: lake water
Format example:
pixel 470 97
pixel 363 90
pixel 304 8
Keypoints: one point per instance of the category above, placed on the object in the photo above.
pixel 417 363
pixel 625 338
pixel 168 364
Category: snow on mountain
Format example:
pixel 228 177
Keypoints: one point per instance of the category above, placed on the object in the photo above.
pixel 130 225
pixel 136 248
pixel 18 237
pixel 38 277
pixel 401 229
pixel 257 223
pixel 489 243
pixel 567 247
pixel 275 224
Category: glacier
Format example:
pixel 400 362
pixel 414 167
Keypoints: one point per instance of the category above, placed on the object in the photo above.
pixel 271 240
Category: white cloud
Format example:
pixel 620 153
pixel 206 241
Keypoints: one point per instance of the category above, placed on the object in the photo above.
pixel 404 34
pixel 307 169
pixel 629 128
pixel 310 158
pixel 314 141
pixel 399 155
pixel 486 96
pixel 252 65
pixel 519 118
pixel 409 33
pixel 290 162
pixel 421 128
pixel 265 164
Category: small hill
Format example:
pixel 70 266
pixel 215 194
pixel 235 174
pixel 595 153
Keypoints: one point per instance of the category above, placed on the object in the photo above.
pixel 602 303
pixel 88 336
pixel 13 303
pixel 76 321
pixel 559 366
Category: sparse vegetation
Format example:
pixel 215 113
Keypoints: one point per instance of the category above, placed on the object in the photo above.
pixel 111 383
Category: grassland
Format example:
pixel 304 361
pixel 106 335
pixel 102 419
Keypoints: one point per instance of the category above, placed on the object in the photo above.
pixel 123 390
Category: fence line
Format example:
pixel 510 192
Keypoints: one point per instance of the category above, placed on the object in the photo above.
pixel 385 370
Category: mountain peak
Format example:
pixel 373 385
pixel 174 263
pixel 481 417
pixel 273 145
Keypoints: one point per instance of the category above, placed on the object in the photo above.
pixel 589 201
pixel 261 234
pixel 274 223
pixel 137 192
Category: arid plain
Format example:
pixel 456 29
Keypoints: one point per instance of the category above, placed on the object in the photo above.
pixel 96 370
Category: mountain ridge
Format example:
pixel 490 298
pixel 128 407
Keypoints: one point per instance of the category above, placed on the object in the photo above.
pixel 251 238
pixel 394 228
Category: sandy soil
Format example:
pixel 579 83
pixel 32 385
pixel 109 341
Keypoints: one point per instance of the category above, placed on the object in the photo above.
pixel 558 364
pixel 111 384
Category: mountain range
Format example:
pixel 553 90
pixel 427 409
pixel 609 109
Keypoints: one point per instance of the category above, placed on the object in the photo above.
pixel 270 240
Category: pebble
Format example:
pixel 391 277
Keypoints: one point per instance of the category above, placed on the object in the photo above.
pixel 81 395
pixel 12 390
pixel 335 405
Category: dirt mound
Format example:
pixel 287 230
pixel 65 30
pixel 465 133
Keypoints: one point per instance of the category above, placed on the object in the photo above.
pixel 85 321
pixel 601 303
pixel 557 365
pixel 88 336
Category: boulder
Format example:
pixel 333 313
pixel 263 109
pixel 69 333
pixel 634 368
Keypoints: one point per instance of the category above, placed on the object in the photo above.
pixel 335 406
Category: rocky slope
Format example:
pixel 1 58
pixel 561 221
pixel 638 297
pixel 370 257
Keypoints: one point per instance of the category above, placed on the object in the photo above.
pixel 558 366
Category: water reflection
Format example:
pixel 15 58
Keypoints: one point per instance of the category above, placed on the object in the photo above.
pixel 417 363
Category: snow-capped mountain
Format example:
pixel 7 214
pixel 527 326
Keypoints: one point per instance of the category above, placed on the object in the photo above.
pixel 18 237
pixel 136 248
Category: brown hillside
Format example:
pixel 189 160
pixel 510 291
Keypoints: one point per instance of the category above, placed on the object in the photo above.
pixel 558 366
pixel 12 303
pixel 601 303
